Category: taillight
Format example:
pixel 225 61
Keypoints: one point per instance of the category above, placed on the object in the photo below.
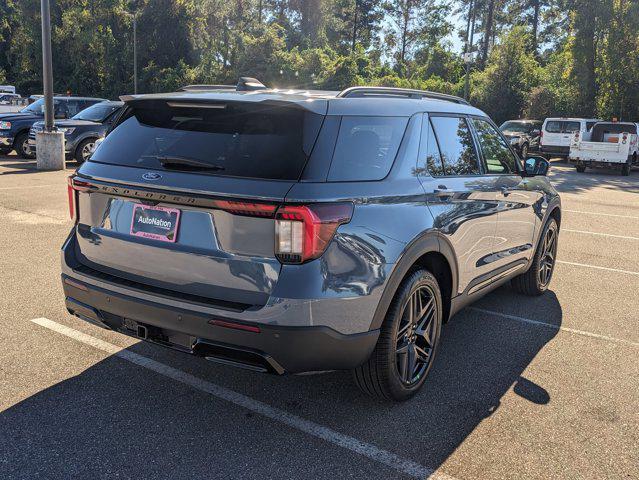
pixel 73 186
pixel 71 195
pixel 302 232
pixel 624 138
pixel 247 208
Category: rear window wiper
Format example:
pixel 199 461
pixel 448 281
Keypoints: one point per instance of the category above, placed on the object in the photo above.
pixel 177 163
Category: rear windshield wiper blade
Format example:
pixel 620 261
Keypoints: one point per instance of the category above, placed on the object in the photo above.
pixel 176 162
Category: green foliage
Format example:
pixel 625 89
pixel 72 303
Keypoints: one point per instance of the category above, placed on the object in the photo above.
pixel 512 72
pixel 543 57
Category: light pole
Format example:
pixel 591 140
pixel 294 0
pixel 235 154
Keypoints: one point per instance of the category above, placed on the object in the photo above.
pixel 468 48
pixel 135 53
pixel 47 66
pixel 49 143
pixel 134 16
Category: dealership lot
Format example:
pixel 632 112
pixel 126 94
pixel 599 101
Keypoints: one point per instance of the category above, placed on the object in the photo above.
pixel 522 388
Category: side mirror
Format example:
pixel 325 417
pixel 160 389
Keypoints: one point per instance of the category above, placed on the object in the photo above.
pixel 535 133
pixel 536 166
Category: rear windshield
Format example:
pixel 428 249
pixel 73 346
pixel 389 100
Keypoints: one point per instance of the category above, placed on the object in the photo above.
pixel 557 126
pixel 227 138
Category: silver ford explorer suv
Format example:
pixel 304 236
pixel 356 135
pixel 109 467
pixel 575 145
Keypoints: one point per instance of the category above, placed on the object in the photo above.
pixel 297 231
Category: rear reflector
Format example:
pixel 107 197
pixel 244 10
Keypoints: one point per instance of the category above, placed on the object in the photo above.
pixel 302 232
pixel 77 285
pixel 235 326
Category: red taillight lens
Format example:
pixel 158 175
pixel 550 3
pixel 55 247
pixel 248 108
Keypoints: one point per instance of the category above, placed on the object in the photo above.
pixel 302 232
pixel 247 208
pixel 73 186
pixel 71 195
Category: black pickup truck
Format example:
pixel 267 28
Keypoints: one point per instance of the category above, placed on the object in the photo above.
pixel 14 127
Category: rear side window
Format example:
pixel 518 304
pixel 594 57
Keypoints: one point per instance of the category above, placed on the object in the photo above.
pixel 434 162
pixel 228 138
pixel 497 154
pixel 571 127
pixel 366 147
pixel 589 125
pixel 554 126
pixel 456 146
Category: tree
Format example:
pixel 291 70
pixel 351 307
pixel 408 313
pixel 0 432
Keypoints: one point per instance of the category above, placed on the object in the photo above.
pixel 503 88
pixel 414 25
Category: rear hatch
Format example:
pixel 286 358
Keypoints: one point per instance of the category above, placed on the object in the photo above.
pixel 181 196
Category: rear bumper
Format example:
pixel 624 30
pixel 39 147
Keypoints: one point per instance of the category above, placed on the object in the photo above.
pixel 595 163
pixel 271 349
pixel 292 334
pixel 553 150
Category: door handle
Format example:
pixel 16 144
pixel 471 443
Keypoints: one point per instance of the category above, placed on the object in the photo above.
pixel 442 192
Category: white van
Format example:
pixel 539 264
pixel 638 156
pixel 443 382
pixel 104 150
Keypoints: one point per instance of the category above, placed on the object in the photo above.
pixel 557 134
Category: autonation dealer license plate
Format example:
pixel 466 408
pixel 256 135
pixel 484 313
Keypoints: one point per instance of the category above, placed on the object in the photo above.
pixel 158 223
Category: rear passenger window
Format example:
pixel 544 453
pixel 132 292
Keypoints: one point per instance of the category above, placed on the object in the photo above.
pixel 571 127
pixel 366 147
pixel 456 146
pixel 554 126
pixel 433 157
pixel 498 157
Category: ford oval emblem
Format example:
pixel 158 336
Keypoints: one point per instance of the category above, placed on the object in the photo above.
pixel 151 176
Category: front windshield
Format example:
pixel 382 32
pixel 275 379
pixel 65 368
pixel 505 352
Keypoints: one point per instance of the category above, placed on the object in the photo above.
pixel 36 107
pixel 95 113
pixel 517 127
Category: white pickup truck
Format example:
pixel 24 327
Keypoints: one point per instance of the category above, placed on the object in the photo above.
pixel 610 144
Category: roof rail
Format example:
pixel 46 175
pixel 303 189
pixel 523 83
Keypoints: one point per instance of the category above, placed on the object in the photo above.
pixel 354 92
pixel 203 88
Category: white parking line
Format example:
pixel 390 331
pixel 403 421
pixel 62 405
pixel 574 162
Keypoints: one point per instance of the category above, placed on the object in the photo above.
pixel 602 214
pixel 555 327
pixel 368 450
pixel 57 185
pixel 597 267
pixel 610 235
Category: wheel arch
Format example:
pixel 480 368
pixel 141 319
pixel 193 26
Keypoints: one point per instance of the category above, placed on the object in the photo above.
pixel 432 252
pixel 83 138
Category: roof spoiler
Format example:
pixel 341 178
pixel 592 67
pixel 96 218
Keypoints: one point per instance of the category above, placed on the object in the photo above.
pixel 244 84
pixel 392 92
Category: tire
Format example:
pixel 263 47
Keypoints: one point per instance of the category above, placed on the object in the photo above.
pixel 21 146
pixel 83 150
pixel 535 282
pixel 381 375
pixel 5 151
pixel 524 151
pixel 625 169
pixel 581 168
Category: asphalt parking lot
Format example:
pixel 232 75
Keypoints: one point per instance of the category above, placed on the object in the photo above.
pixel 522 388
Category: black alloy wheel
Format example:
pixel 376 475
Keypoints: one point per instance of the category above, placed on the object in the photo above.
pixel 408 340
pixel 549 253
pixel 415 338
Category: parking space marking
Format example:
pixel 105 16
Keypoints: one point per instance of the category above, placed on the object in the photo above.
pixel 538 323
pixel 368 450
pixel 57 185
pixel 597 267
pixel 602 214
pixel 584 232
